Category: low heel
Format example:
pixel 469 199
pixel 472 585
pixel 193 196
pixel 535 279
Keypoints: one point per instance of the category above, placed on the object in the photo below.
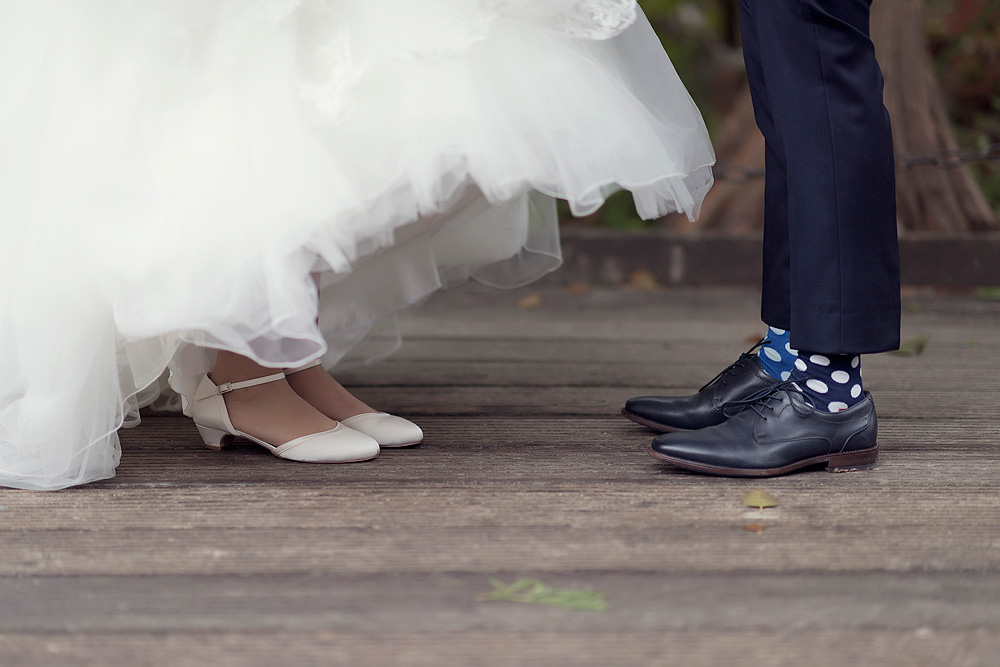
pixel 214 439
pixel 866 459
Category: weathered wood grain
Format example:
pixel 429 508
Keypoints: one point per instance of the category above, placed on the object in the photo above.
pixel 238 558
pixel 427 602
pixel 921 646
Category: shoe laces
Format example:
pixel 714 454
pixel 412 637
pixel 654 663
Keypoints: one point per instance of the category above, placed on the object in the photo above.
pixel 731 369
pixel 760 400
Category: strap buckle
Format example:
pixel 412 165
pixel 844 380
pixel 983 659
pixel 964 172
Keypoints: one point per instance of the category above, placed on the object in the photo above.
pixel 225 388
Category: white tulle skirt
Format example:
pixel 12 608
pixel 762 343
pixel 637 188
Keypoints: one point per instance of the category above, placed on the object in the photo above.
pixel 178 177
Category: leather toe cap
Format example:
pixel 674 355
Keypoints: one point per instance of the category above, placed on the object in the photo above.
pixel 664 411
pixel 693 447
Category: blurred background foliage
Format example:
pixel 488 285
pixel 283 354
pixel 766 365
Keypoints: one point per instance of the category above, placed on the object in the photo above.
pixel 702 38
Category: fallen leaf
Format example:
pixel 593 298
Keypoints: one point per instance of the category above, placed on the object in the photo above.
pixel 755 528
pixel 530 301
pixel 642 280
pixel 912 347
pixel 990 293
pixel 760 499
pixel 752 339
pixel 533 591
pixel 913 307
pixel 579 288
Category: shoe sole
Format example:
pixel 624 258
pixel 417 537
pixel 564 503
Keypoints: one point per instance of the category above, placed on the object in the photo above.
pixel 656 426
pixel 863 459
pixel 409 444
pixel 228 442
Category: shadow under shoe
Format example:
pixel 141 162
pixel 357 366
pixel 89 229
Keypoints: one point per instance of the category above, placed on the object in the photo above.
pixel 774 434
pixel 743 378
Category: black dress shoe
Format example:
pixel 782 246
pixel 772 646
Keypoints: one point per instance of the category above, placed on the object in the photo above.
pixel 744 377
pixel 774 433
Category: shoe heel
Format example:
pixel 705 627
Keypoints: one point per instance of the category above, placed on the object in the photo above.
pixel 864 460
pixel 214 439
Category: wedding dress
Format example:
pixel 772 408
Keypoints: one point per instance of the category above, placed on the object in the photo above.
pixel 178 176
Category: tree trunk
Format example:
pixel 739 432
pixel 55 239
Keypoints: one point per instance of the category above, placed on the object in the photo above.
pixel 930 199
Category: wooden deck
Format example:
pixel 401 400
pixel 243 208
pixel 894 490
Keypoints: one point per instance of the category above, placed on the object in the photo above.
pixel 238 558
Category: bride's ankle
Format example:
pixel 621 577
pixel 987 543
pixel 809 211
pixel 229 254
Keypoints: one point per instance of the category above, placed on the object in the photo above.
pixel 327 395
pixel 231 367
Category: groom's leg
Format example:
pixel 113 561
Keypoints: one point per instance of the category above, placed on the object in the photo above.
pixel 818 99
pixel 747 376
pixel 824 107
pixel 776 286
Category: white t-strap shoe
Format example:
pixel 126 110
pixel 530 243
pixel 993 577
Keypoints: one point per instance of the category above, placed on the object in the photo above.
pixel 388 430
pixel 338 445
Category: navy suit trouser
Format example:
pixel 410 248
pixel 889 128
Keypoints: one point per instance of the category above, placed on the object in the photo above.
pixel 831 259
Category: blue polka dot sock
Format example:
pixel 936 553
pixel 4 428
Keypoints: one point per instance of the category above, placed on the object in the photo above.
pixel 776 354
pixel 832 382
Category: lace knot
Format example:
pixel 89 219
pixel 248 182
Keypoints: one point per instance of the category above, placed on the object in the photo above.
pixel 758 401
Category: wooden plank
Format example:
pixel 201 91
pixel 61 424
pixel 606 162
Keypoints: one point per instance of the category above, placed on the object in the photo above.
pixel 680 375
pixel 167 452
pixel 926 402
pixel 835 526
pixel 668 505
pixel 174 435
pixel 913 647
pixel 651 549
pixel 313 602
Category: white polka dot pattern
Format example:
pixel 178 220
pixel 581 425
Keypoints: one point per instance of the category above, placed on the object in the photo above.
pixel 830 382
pixel 773 354
pixel 817 385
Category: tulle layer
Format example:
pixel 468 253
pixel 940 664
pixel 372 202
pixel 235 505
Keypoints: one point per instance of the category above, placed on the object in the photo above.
pixel 178 176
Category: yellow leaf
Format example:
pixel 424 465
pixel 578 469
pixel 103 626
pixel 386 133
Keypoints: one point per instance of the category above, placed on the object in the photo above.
pixel 579 288
pixel 755 528
pixel 760 499
pixel 530 301
pixel 642 280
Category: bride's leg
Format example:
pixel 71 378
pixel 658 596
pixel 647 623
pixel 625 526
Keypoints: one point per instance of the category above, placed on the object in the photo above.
pixel 323 392
pixel 329 397
pixel 317 387
pixel 273 412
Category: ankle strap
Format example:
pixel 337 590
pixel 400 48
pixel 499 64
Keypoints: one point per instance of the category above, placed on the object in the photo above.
pixel 311 364
pixel 227 387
